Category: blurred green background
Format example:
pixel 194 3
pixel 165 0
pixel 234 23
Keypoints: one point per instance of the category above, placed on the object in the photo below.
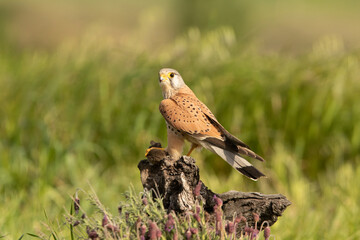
pixel 79 102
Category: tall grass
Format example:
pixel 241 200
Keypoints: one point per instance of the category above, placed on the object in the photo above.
pixel 85 113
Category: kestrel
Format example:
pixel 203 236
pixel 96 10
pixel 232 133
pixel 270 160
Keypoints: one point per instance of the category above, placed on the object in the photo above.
pixel 187 118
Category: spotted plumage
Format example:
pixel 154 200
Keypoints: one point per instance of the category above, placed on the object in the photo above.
pixel 187 118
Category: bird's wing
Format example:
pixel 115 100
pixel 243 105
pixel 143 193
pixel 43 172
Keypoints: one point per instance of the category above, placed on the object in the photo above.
pixel 231 140
pixel 242 148
pixel 188 114
pixel 184 113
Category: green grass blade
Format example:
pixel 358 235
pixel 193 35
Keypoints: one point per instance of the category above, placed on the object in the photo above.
pixel 33 235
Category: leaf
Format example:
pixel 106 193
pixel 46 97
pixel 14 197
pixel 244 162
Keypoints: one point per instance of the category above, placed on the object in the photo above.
pixel 32 235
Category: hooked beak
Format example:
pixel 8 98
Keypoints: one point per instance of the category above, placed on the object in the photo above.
pixel 163 78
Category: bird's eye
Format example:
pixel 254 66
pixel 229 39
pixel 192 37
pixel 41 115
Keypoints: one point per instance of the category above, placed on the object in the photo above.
pixel 171 75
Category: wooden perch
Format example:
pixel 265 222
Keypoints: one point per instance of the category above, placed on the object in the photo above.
pixel 175 181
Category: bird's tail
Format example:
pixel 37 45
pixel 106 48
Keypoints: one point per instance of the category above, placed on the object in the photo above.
pixel 237 162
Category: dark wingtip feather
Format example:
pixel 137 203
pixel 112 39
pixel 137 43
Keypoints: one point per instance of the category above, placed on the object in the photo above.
pixel 251 172
pixel 259 158
pixel 248 152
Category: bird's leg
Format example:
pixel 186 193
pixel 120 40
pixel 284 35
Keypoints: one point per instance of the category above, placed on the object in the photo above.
pixel 175 144
pixel 193 146
pixel 152 148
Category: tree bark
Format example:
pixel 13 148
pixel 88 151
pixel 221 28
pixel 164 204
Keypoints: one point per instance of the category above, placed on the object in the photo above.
pixel 176 180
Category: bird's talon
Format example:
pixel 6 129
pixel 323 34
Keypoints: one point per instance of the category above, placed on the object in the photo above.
pixel 193 146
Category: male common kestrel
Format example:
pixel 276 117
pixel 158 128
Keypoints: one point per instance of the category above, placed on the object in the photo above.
pixel 188 118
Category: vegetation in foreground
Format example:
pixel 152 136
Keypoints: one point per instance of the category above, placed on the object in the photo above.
pixel 142 217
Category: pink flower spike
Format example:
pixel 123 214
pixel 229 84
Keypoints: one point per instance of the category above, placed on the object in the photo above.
pixel 169 225
pixel 267 233
pixel 218 201
pixel 194 230
pixel 76 204
pixel 158 233
pixel 197 189
pixel 152 230
pixel 256 217
pixel 229 228
pixel 188 234
pixel 142 230
pixel 105 221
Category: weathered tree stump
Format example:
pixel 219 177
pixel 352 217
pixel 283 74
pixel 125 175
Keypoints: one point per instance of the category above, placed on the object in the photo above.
pixel 175 181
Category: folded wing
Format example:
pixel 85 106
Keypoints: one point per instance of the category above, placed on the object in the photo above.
pixel 191 117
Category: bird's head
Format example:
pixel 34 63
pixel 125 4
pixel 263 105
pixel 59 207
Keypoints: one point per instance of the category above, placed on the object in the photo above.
pixel 170 82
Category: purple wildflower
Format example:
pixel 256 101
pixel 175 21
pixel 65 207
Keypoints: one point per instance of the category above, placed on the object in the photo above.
pixel 112 228
pixel 169 225
pixel 198 209
pixel 152 230
pixel 145 201
pixel 239 219
pixel 218 201
pixel 76 203
pixel 158 233
pixel 218 222
pixel 229 228
pixel 197 189
pixel 256 217
pixel 92 234
pixel 194 231
pixel 248 231
pixel 188 234
pixel 267 233
pixel 142 232
pixel 197 218
pixel 218 215
pixel 105 221
pixel 218 227
pixel 197 214
pixel 254 234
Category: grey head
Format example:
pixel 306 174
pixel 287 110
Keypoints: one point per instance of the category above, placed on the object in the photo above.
pixel 170 81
